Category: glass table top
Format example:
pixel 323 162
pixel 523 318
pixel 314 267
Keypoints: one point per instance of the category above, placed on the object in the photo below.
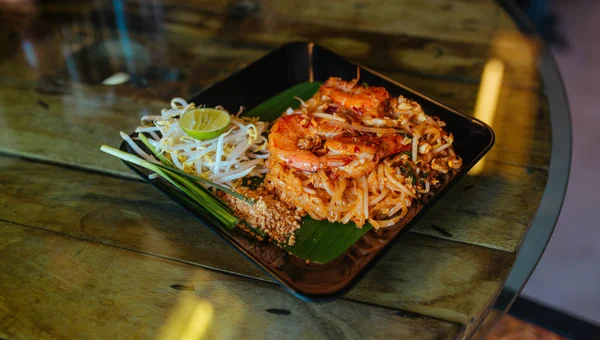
pixel 74 74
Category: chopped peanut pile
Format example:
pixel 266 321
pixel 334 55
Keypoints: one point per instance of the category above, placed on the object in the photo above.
pixel 268 214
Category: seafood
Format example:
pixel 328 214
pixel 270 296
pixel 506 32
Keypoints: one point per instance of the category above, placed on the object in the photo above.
pixel 354 153
pixel 293 137
pixel 363 153
pixel 366 102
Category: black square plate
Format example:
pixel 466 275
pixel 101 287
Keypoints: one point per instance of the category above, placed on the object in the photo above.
pixel 283 68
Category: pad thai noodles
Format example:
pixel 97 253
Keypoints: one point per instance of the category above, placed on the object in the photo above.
pixel 352 153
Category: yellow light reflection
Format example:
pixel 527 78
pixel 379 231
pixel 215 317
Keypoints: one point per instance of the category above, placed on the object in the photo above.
pixel 491 83
pixel 189 321
pixel 507 100
pixel 487 98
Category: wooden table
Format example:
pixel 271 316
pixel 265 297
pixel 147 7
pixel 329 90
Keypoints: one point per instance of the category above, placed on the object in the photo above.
pixel 89 251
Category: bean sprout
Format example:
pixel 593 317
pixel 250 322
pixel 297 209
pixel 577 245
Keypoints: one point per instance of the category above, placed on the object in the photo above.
pixel 241 151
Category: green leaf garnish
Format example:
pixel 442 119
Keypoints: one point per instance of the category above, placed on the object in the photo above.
pixel 409 171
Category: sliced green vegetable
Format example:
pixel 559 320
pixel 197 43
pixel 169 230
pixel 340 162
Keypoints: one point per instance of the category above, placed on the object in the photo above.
pixel 185 181
pixel 158 155
pixel 199 196
pixel 168 165
pixel 410 172
pixel 210 183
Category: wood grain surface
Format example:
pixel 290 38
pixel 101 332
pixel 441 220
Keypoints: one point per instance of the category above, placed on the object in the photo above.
pixel 490 197
pixel 68 128
pixel 133 215
pixel 85 288
pixel 86 248
pixel 211 59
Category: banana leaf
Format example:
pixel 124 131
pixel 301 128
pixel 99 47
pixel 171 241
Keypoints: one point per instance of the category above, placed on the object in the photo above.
pixel 316 241
pixel 323 241
pixel 272 108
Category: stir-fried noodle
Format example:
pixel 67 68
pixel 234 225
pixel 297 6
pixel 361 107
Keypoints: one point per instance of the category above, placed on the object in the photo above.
pixel 352 153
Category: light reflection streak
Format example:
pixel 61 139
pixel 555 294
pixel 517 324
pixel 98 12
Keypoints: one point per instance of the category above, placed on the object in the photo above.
pixel 508 96
pixel 159 22
pixel 29 53
pixel 124 36
pixel 67 52
pixel 189 321
pixel 487 99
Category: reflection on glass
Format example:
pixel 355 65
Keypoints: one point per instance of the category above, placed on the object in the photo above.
pixel 507 97
pixel 491 82
pixel 29 53
pixel 116 79
pixel 487 99
pixel 189 321
pixel 508 100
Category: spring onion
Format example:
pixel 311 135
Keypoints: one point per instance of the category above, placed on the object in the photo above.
pixel 170 168
pixel 198 194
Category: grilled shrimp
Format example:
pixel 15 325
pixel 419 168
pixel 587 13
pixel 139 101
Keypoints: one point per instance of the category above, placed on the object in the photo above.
pixel 363 153
pixel 366 102
pixel 293 137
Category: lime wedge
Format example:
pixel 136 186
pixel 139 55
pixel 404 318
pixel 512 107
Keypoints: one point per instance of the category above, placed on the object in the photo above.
pixel 204 124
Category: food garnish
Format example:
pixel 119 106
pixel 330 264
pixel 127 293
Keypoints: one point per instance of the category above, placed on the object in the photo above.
pixel 204 123
pixel 205 200
pixel 238 152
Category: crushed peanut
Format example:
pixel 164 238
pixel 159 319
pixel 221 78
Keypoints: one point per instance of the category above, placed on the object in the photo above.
pixel 268 214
